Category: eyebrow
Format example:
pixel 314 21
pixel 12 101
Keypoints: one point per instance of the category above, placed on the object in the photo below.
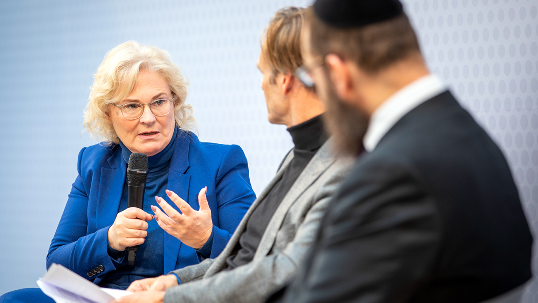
pixel 136 100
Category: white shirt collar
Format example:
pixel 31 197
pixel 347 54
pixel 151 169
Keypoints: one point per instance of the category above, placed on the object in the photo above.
pixel 398 105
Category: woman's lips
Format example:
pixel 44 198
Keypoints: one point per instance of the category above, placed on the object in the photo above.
pixel 148 135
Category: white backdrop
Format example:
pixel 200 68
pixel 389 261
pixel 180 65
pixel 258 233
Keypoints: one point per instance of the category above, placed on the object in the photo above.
pixel 485 50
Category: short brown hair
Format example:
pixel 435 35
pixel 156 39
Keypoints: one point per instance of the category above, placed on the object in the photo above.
pixel 372 47
pixel 281 43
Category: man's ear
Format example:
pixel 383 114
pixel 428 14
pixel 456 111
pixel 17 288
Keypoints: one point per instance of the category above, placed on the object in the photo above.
pixel 340 76
pixel 287 83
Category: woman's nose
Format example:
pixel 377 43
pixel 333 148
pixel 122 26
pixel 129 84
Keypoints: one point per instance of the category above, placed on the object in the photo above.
pixel 147 116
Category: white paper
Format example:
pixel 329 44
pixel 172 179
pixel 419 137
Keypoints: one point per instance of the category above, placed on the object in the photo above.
pixel 116 293
pixel 59 295
pixel 65 286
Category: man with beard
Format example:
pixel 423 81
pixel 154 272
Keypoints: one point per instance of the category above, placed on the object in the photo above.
pixel 273 237
pixel 431 212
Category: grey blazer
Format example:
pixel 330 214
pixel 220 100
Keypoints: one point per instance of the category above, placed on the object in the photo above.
pixel 282 248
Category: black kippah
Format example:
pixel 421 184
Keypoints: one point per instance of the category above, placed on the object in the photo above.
pixel 356 13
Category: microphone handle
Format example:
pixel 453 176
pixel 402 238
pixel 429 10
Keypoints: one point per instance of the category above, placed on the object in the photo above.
pixel 135 199
pixel 136 195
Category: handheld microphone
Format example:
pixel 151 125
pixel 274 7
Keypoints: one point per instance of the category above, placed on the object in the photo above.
pixel 137 174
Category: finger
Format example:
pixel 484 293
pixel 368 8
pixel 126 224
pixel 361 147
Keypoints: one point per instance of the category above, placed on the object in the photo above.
pixel 125 299
pixel 135 234
pixel 141 285
pixel 136 224
pixel 169 210
pixel 159 215
pixel 164 282
pixel 202 200
pixel 158 285
pixel 185 208
pixel 165 222
pixel 135 213
pixel 128 242
pixel 136 286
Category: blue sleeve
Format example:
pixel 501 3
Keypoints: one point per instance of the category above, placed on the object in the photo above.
pixel 234 197
pixel 177 278
pixel 205 251
pixel 72 246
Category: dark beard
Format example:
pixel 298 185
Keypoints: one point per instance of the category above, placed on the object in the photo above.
pixel 345 123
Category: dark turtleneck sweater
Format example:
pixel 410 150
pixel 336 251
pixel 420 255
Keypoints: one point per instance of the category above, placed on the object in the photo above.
pixel 150 259
pixel 307 137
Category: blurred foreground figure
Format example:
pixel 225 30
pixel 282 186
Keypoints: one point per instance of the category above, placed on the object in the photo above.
pixel 431 213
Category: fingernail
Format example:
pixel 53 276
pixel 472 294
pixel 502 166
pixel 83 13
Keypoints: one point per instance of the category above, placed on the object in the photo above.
pixel 158 199
pixel 168 192
pixel 153 208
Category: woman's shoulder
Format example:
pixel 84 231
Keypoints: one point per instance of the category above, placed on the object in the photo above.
pixel 97 154
pixel 100 149
pixel 211 147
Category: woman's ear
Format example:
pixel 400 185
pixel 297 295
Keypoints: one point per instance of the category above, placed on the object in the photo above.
pixel 340 76
pixel 107 115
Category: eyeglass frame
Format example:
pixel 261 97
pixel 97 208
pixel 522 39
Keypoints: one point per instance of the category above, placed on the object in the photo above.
pixel 302 72
pixel 144 104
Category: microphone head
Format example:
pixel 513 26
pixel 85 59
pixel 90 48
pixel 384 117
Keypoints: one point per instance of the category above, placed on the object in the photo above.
pixel 138 161
pixel 137 169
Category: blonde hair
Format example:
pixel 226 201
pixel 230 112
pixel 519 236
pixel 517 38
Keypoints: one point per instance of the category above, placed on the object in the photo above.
pixel 116 78
pixel 281 44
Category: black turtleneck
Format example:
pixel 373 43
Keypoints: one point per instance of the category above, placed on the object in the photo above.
pixel 307 137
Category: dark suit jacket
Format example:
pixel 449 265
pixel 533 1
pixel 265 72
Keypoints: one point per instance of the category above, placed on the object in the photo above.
pixel 80 242
pixel 432 214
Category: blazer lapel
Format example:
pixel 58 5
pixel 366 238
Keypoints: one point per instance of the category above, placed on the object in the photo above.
pixel 178 182
pixel 110 190
pixel 221 259
pixel 319 163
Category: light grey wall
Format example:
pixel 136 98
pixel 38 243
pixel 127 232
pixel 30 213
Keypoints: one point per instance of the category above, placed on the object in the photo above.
pixel 485 50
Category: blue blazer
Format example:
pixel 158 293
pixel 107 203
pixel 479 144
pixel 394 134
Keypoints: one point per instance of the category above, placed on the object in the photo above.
pixel 81 239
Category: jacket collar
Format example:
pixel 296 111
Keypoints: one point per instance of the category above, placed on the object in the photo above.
pixel 113 179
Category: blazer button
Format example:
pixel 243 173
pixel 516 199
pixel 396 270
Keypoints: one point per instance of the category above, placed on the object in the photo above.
pixel 90 274
pixel 101 268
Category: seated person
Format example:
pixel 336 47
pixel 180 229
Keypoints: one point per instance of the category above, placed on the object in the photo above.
pixel 137 104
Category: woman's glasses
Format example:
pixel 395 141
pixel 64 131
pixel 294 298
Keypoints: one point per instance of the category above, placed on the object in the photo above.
pixel 135 110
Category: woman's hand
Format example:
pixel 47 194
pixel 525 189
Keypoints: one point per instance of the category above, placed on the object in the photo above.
pixel 192 227
pixel 129 228
pixel 160 283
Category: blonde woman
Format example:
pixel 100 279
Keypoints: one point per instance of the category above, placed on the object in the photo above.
pixel 137 104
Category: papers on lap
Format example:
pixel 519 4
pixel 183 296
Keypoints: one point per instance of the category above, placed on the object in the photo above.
pixel 65 286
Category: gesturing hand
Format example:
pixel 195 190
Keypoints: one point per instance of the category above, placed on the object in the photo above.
pixel 129 228
pixel 192 227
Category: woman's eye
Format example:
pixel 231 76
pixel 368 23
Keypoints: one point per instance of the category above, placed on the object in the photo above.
pixel 158 102
pixel 132 106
